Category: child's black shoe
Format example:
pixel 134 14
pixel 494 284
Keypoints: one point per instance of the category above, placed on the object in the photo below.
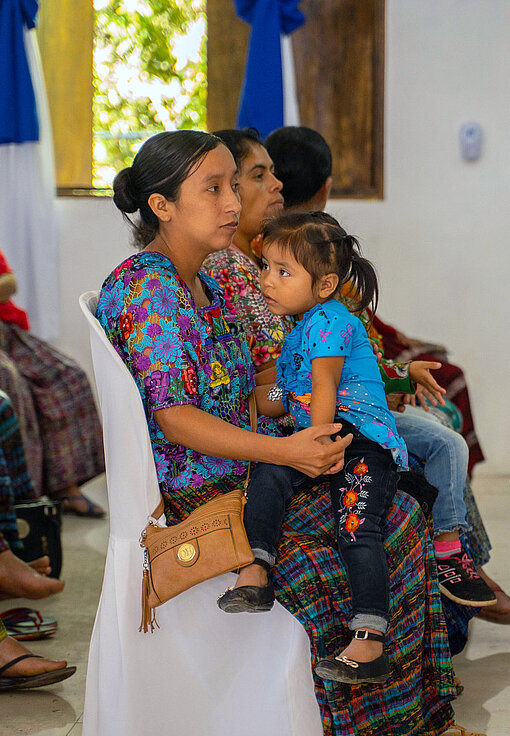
pixel 247 599
pixel 344 669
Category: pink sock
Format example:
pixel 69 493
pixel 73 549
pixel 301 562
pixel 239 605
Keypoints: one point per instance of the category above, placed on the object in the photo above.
pixel 446 549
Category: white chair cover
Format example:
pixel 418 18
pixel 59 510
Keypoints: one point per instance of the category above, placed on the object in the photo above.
pixel 204 672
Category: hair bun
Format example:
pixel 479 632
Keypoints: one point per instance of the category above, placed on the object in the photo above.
pixel 123 196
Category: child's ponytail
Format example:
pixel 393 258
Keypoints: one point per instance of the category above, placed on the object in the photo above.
pixel 319 243
pixel 356 272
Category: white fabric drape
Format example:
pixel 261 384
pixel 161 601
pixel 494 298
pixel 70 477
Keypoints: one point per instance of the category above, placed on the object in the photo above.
pixel 28 231
pixel 290 101
pixel 203 672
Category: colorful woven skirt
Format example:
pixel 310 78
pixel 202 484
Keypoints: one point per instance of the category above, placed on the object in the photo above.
pixel 311 583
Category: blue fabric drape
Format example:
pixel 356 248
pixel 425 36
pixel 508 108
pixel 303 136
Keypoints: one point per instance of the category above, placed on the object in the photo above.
pixel 261 104
pixel 18 114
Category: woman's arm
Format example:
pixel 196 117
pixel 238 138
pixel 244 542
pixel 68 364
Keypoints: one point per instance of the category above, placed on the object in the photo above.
pixel 189 426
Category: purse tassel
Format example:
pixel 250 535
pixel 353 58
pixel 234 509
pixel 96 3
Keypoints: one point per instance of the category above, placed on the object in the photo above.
pixel 148 613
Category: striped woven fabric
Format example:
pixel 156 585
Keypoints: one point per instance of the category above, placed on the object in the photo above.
pixel 15 483
pixel 311 583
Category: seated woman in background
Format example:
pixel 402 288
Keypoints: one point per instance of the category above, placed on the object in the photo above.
pixel 182 343
pixel 53 400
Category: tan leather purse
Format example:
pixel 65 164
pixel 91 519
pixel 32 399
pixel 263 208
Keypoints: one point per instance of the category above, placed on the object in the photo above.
pixel 209 542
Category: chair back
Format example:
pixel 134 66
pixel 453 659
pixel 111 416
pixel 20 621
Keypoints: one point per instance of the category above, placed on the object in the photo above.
pixel 133 490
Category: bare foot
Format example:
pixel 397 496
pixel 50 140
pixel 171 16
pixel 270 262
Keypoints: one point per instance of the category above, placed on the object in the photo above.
pixel 459 687
pixel 252 575
pixel 500 612
pixel 41 565
pixel 19 580
pixel 10 649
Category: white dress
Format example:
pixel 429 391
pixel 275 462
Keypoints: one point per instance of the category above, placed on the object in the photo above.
pixel 203 672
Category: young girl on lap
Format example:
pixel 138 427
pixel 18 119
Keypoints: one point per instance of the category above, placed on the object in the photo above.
pixel 328 372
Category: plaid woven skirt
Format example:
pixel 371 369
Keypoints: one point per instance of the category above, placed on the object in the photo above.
pixel 58 418
pixel 15 483
pixel 311 583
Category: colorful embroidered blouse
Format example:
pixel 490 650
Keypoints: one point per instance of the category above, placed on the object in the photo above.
pixel 330 330
pixel 178 354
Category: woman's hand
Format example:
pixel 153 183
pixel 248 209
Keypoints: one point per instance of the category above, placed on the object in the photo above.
pixel 428 388
pixel 306 452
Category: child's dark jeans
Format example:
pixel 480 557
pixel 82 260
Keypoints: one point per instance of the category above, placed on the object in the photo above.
pixel 361 494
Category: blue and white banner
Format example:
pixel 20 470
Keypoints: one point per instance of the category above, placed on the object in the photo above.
pixel 28 230
pixel 268 96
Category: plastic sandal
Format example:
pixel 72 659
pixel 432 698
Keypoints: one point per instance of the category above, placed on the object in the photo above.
pixel 92 510
pixel 26 624
pixel 457 730
pixel 45 678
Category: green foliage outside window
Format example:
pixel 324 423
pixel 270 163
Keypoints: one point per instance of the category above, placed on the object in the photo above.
pixel 149 75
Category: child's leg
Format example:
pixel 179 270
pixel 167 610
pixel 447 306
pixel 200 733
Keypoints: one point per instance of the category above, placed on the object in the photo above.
pixel 445 454
pixel 446 460
pixel 270 488
pixel 361 494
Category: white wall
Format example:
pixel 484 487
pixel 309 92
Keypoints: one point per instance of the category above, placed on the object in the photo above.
pixel 439 237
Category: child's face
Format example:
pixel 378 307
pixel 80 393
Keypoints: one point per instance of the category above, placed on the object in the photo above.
pixel 285 284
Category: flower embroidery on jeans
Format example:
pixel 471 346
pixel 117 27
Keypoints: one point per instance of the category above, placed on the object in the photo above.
pixel 350 501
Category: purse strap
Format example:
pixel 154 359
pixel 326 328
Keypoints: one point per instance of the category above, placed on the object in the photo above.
pixel 252 404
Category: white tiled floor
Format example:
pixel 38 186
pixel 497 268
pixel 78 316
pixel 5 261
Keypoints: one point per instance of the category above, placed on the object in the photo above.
pixel 484 667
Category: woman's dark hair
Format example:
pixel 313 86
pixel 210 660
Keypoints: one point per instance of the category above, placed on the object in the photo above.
pixel 160 166
pixel 302 162
pixel 320 244
pixel 239 142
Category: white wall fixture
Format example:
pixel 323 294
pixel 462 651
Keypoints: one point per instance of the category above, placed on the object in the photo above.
pixel 470 137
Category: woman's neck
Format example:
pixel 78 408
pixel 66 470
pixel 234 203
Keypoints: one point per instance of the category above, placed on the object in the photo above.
pixel 187 264
pixel 243 243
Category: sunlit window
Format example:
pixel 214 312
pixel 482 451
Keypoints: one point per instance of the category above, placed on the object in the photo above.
pixel 149 76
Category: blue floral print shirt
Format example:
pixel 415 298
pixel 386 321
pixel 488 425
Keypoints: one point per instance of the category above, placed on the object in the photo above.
pixel 178 354
pixel 331 330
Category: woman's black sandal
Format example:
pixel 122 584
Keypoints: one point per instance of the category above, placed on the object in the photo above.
pixel 347 670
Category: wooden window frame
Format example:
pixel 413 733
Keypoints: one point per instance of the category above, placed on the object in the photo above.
pixel 354 41
pixel 70 88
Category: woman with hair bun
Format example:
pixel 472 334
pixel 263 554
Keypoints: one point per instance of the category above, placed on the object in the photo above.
pixel 179 337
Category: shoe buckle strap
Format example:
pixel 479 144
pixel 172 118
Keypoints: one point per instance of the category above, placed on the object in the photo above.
pixel 363 634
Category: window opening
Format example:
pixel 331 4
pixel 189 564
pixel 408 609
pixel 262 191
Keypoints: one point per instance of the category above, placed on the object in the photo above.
pixel 150 75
